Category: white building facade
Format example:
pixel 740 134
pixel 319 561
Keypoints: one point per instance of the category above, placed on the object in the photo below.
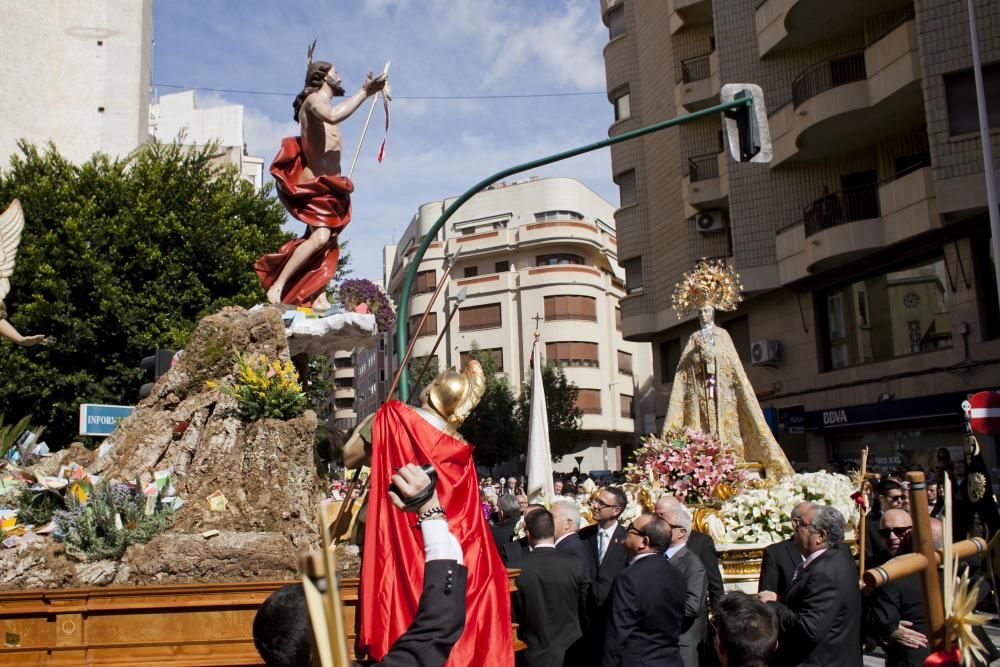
pixel 177 116
pixel 76 73
pixel 540 252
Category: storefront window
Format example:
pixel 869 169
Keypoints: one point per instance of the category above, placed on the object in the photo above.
pixel 887 315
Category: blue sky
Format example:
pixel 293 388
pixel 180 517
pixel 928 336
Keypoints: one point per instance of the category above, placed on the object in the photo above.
pixel 437 148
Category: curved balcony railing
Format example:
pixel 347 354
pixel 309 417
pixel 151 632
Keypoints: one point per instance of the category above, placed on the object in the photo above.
pixel 703 167
pixel 695 69
pixel 840 208
pixel 833 72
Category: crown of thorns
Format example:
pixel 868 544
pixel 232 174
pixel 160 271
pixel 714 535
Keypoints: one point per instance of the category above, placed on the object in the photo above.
pixel 710 283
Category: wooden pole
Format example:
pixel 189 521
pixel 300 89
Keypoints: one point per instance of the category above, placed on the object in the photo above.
pixel 357 151
pixel 923 543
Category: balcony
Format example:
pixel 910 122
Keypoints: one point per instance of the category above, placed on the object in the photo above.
pixel 561 232
pixel 706 185
pixel 847 226
pixel 487 284
pixel 844 103
pixel 685 13
pixel 698 85
pixel 791 24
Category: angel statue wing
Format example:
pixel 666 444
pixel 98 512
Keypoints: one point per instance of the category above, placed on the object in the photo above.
pixel 11 224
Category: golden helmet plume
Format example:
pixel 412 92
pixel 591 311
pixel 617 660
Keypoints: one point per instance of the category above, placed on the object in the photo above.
pixel 710 283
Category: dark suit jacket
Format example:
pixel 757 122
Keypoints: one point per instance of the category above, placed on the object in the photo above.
pixel 704 548
pixel 439 622
pixel 550 605
pixel 695 622
pixel 572 544
pixel 646 608
pixel 503 534
pixel 898 600
pixel 819 618
pixel 614 561
pixel 778 567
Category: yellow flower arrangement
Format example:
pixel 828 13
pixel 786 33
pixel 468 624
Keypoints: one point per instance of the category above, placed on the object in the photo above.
pixel 264 389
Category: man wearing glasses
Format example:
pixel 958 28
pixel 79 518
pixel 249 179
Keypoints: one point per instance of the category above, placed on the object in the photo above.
pixel 646 603
pixel 780 560
pixel 896 615
pixel 604 540
pixel 819 618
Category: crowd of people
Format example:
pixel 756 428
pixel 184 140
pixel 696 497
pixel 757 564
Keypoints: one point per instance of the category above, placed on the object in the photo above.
pixel 650 591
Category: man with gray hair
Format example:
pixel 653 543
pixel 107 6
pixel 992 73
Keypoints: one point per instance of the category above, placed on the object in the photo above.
pixel 702 546
pixel 566 515
pixel 695 623
pixel 819 617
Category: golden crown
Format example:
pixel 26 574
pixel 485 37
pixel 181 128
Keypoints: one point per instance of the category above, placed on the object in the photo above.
pixel 710 283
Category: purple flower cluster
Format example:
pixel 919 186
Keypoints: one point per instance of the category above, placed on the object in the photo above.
pixel 356 291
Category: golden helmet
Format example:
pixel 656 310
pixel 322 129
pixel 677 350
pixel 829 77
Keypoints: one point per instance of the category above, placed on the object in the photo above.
pixel 454 395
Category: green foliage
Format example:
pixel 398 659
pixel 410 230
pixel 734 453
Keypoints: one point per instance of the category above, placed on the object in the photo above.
pixel 90 531
pixel 491 427
pixel 565 419
pixel 421 371
pixel 318 385
pixel 37 507
pixel 9 433
pixel 265 389
pixel 119 258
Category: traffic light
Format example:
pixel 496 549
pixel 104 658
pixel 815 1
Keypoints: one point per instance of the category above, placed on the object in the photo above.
pixel 159 363
pixel 747 132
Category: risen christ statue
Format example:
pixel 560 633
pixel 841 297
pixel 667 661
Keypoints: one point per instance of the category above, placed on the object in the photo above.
pixel 310 185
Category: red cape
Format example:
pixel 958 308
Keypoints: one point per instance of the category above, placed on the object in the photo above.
pixel 393 565
pixel 324 201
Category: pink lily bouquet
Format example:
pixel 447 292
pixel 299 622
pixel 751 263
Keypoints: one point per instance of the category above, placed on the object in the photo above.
pixel 687 464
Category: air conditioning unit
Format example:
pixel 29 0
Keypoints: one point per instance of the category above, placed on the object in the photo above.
pixel 709 222
pixel 766 352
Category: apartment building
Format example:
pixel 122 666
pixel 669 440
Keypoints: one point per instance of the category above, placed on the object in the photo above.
pixel 539 253
pixel 177 117
pixel 76 74
pixel 864 247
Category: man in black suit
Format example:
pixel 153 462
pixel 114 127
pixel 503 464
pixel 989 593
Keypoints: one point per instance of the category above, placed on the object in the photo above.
pixel 780 560
pixel 819 618
pixel 896 614
pixel 694 627
pixel 508 516
pixel 605 541
pixel 282 632
pixel 646 603
pixel 512 552
pixel 550 603
pixel 566 516
pixel 703 547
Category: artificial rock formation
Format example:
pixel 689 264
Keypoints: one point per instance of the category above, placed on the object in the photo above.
pixel 265 469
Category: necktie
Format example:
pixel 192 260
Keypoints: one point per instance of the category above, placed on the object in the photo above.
pixel 602 542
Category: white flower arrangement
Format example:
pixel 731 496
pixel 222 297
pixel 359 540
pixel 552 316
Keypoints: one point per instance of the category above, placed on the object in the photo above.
pixel 763 516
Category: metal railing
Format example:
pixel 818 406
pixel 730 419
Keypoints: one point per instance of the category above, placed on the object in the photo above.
pixel 695 69
pixel 703 167
pixel 839 208
pixel 833 72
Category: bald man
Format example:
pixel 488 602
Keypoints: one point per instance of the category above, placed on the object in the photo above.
pixel 896 617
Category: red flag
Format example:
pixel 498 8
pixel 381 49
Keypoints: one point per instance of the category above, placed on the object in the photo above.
pixel 393 563
pixel 385 105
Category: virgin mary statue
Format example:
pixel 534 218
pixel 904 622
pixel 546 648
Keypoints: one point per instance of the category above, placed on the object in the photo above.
pixel 711 392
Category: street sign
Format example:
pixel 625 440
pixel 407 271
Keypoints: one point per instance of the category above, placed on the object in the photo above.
pixel 101 420
pixel 985 412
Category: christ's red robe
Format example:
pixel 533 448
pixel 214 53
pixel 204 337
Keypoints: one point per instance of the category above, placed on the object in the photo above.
pixel 324 201
pixel 393 564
